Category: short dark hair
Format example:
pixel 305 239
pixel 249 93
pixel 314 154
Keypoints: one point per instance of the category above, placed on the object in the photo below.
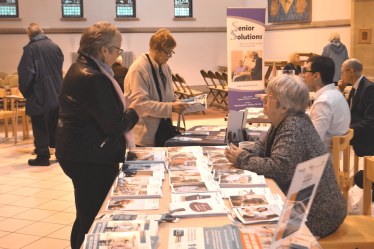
pixel 325 66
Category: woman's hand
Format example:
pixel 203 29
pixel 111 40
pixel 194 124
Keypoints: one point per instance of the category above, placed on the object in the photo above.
pixel 179 107
pixel 233 153
pixel 135 102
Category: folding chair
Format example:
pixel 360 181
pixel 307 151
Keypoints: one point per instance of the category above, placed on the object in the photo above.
pixel 220 89
pixel 177 90
pixel 187 90
pixel 224 90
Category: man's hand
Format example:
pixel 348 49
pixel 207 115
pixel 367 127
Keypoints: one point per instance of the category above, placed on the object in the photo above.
pixel 179 107
pixel 341 85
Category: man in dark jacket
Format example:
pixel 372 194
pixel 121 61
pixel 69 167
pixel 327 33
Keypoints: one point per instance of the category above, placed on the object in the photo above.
pixel 119 72
pixel 40 79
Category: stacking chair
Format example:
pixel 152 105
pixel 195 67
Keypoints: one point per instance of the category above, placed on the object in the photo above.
pixel 177 89
pixel 341 143
pixel 219 87
pixel 21 112
pixel 3 75
pixel 224 91
pixel 4 113
pixel 187 90
pixel 15 73
pixel 7 81
pixel 355 162
pixel 212 87
pixel 357 231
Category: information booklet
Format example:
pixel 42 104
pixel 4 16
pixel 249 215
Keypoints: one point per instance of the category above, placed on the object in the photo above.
pixel 153 167
pixel 197 208
pixel 130 216
pixel 225 237
pixel 174 156
pixel 235 178
pixel 122 181
pixel 184 149
pixel 136 204
pixel 202 187
pixel 227 192
pixel 193 172
pixel 136 191
pixel 254 200
pixel 136 239
pixel 189 180
pixel 125 226
pixel 175 198
pixel 219 160
pixel 196 104
pixel 144 156
pixel 259 214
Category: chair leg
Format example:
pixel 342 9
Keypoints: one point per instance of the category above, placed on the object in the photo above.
pixel 355 163
pixel 24 127
pixel 6 127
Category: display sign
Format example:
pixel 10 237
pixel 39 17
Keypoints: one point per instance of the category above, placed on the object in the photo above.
pixel 245 53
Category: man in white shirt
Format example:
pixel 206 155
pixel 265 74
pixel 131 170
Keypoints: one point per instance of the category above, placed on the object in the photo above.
pixel 330 112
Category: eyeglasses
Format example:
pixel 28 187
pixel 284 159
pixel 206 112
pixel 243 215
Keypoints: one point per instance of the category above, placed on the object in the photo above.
pixel 310 71
pixel 268 97
pixel 347 70
pixel 169 54
pixel 119 50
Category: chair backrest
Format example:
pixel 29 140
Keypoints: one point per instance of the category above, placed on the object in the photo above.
pixel 205 76
pixel 225 77
pixel 213 77
pixel 221 80
pixel 2 83
pixel 341 143
pixel 3 75
pixel 7 78
pixel 368 179
pixel 184 85
pixel 175 81
pixel 15 73
pixel 13 82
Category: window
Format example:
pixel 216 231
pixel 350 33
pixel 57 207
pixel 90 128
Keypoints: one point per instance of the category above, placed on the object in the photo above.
pixel 9 9
pixel 182 8
pixel 72 8
pixel 125 8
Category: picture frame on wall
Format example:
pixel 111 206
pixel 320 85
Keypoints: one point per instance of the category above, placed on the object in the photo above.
pixel 364 35
pixel 289 11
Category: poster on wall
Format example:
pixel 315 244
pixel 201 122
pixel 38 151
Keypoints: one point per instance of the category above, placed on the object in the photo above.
pixel 245 53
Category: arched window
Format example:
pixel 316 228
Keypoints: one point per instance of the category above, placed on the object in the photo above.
pixel 125 8
pixel 9 9
pixel 72 8
pixel 182 8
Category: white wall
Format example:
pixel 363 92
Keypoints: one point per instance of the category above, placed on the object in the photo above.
pixel 195 51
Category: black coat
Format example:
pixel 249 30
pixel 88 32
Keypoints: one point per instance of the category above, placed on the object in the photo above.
pixel 257 70
pixel 291 66
pixel 40 74
pixel 362 119
pixel 90 112
pixel 119 73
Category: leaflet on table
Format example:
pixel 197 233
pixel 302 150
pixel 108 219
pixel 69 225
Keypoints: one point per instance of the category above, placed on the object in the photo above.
pixel 149 148
pixel 299 199
pixel 136 191
pixel 189 155
pixel 195 133
pixel 254 200
pixel 227 192
pixel 142 157
pixel 225 237
pixel 234 181
pixel 175 198
pixel 208 186
pixel 223 166
pixel 130 216
pixel 125 226
pixel 218 149
pixel 200 162
pixel 197 208
pixel 122 181
pixel 192 172
pixel 135 204
pixel 139 240
pixel 264 233
pixel 141 173
pixel 181 138
pixel 210 128
pixel 259 214
pixel 149 166
pixel 154 241
pixel 184 149
pixel 196 103
pixel 219 160
pixel 189 180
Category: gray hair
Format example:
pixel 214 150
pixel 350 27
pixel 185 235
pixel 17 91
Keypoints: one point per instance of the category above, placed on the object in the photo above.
pixel 33 30
pixel 96 36
pixel 332 36
pixel 291 93
pixel 355 64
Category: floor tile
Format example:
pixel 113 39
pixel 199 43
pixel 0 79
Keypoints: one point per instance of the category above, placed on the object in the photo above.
pixel 12 225
pixel 10 211
pixel 51 194
pixel 2 233
pixel 16 240
pixel 7 188
pixel 68 186
pixel 7 198
pixel 40 229
pixel 48 243
pixel 68 197
pixel 63 233
pixel 24 191
pixel 41 175
pixel 71 209
pixel 23 182
pixel 30 202
pixel 45 184
pixel 56 205
pixel 60 218
pixel 60 178
pixel 5 179
pixel 35 214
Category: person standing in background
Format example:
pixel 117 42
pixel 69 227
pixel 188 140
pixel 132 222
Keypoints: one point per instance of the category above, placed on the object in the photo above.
pixel 337 52
pixel 40 79
pixel 119 71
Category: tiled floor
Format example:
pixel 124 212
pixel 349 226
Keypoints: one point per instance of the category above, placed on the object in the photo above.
pixel 37 203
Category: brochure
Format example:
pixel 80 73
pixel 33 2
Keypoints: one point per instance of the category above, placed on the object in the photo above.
pixel 196 133
pixel 141 173
pixel 181 138
pixel 220 160
pixel 136 192
pixel 214 138
pixel 130 216
pixel 227 192
pixel 197 208
pixel 210 128
pixel 137 204
pixel 183 155
pixel 148 166
pixel 254 200
pixel 136 239
pixel 232 178
pixel 264 233
pixel 219 149
pixel 125 226
pixel 196 187
pixel 142 157
pixel 259 214
pixel 189 180
pixel 223 166
pixel 175 198
pixel 192 172
pixel 122 181
pixel 184 149
pixel 196 104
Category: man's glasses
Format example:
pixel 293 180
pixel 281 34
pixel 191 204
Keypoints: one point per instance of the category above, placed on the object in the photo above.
pixel 119 50
pixel 347 70
pixel 309 71
pixel 169 54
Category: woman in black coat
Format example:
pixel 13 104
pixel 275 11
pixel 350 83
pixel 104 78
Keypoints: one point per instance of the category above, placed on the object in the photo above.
pixel 293 63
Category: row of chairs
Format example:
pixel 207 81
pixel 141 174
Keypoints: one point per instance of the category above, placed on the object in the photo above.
pixel 5 74
pixel 218 87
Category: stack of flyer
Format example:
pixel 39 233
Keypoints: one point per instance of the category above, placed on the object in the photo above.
pixel 132 204
pixel 121 226
pixel 196 104
pixel 197 208
pixel 238 178
pixel 145 156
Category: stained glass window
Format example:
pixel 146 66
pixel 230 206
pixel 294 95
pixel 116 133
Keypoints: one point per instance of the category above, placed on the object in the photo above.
pixel 72 8
pixel 182 8
pixel 125 8
pixel 9 9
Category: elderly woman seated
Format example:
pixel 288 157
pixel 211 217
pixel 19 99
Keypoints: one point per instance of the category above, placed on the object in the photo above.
pixel 292 139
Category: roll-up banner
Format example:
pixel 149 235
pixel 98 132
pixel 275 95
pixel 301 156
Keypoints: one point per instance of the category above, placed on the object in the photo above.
pixel 245 53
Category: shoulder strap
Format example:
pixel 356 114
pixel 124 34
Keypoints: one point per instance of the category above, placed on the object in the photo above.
pixel 155 78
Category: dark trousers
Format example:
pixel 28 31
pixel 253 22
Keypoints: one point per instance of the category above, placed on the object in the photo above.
pixel 44 131
pixel 92 182
pixel 359 180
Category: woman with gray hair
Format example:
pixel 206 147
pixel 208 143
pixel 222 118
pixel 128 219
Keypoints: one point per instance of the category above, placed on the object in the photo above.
pixel 292 139
pixel 95 124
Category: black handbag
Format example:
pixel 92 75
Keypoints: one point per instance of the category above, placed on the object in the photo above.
pixel 165 129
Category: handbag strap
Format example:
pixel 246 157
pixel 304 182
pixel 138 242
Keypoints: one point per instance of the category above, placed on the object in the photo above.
pixel 155 79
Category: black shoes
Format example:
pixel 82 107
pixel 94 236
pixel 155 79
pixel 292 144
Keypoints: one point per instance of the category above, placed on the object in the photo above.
pixel 39 162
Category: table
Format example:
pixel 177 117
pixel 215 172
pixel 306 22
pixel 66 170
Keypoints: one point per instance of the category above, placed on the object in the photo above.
pixel 16 99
